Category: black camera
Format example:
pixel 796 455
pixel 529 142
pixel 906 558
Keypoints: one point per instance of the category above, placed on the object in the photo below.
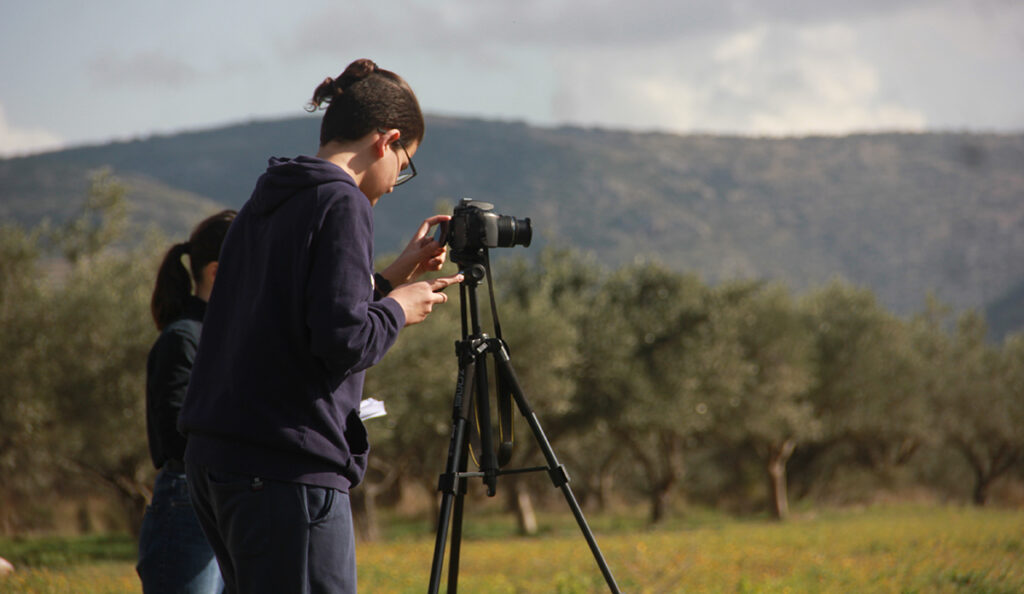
pixel 474 226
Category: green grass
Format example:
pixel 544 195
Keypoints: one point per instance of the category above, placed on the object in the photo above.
pixel 889 549
pixel 63 552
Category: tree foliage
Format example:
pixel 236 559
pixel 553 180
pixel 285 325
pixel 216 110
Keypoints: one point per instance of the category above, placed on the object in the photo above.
pixel 981 402
pixel 653 386
pixel 771 412
pixel 72 356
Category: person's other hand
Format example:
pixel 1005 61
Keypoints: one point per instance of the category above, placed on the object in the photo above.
pixel 418 299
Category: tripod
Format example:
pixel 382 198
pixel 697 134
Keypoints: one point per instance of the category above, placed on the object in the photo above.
pixel 472 352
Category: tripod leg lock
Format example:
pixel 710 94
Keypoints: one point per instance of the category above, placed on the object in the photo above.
pixel 451 483
pixel 559 475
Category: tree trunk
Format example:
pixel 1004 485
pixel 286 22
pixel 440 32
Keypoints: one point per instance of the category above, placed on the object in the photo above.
pixel 135 509
pixel 365 517
pixel 663 469
pixel 777 478
pixel 987 468
pixel 526 517
pixel 981 491
pixel 660 498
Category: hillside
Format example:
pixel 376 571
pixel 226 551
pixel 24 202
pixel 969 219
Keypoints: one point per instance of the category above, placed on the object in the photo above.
pixel 904 214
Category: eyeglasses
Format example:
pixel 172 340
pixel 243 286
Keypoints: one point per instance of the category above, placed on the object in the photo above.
pixel 409 172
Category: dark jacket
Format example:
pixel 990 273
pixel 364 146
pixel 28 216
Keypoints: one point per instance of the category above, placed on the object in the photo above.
pixel 167 371
pixel 290 329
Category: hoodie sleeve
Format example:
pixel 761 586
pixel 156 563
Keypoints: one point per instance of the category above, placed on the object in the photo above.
pixel 167 374
pixel 349 330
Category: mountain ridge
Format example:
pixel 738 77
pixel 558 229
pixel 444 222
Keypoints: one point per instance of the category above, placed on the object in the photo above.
pixel 906 214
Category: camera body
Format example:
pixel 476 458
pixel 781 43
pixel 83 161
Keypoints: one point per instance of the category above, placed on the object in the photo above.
pixel 474 225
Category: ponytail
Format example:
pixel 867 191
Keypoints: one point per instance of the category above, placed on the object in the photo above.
pixel 173 287
pixel 174 284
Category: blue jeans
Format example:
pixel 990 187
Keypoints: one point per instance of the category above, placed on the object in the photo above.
pixel 174 555
pixel 276 537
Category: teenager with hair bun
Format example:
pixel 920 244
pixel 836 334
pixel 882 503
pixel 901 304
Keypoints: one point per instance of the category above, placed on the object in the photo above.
pixel 275 442
pixel 174 556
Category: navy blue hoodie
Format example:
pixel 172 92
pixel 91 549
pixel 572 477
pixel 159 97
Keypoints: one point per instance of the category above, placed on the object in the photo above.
pixel 290 329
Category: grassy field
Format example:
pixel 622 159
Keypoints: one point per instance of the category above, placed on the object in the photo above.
pixel 888 549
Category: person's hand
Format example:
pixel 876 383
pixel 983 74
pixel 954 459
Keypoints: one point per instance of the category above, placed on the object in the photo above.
pixel 422 254
pixel 418 299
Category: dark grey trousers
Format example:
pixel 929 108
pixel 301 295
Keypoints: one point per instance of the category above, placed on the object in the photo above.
pixel 273 536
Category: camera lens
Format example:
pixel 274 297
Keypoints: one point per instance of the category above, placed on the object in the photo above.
pixel 513 231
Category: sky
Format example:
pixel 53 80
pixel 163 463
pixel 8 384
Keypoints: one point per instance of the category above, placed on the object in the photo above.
pixel 77 73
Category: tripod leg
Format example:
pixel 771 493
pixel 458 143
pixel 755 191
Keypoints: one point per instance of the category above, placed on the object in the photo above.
pixel 557 472
pixel 456 540
pixel 450 484
pixel 476 382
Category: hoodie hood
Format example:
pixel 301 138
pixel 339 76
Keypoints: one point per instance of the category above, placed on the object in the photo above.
pixel 285 178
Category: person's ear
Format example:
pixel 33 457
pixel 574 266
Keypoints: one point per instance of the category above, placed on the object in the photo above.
pixel 204 286
pixel 384 141
pixel 210 272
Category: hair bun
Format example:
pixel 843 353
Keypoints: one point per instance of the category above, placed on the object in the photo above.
pixel 356 72
pixel 335 87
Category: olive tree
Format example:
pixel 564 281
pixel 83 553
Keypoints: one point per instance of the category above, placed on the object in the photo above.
pixel 76 331
pixel 649 373
pixel 100 332
pixel 26 410
pixel 981 403
pixel 868 391
pixel 772 413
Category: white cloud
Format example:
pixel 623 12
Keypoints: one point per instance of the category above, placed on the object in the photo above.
pixel 741 46
pixel 822 84
pixel 762 80
pixel 15 142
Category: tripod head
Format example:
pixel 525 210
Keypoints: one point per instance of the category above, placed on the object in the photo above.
pixel 473 273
